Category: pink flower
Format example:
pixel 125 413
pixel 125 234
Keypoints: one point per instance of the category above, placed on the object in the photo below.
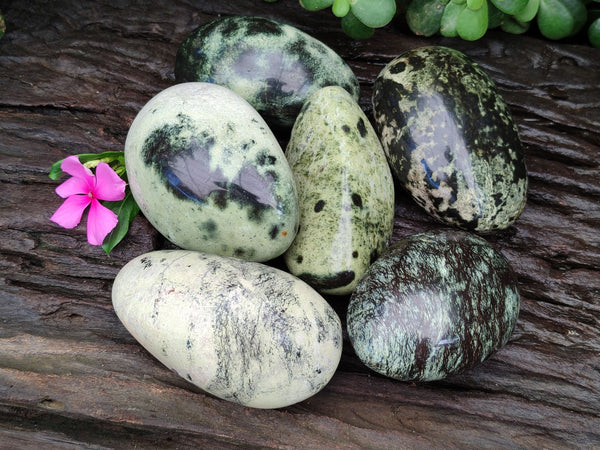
pixel 85 189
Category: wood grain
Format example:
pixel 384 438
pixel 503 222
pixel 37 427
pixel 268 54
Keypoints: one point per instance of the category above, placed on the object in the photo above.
pixel 73 76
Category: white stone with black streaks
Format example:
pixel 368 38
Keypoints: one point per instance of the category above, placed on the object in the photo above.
pixel 450 138
pixel 432 305
pixel 240 330
pixel 209 174
pixel 345 193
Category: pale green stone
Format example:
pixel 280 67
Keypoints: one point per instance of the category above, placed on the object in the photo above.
pixel 209 174
pixel 345 192
pixel 240 330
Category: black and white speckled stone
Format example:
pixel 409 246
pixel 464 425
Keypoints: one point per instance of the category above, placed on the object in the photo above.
pixel 450 138
pixel 242 331
pixel 209 174
pixel 274 66
pixel 432 305
pixel 345 193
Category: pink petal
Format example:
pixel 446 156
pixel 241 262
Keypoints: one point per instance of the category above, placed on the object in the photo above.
pixel 68 215
pixel 109 186
pixel 73 167
pixel 100 222
pixel 73 186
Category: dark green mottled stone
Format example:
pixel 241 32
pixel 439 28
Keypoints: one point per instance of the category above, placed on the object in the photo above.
pixel 274 66
pixel 432 305
pixel 450 139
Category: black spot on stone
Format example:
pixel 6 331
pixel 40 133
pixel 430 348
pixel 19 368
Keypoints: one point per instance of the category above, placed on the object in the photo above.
pixel 189 377
pixel 417 62
pixel 239 252
pixel 319 205
pixel 373 257
pixel 346 128
pixel 264 159
pixel 210 228
pixel 337 280
pixel 188 344
pixel 498 199
pixel 247 145
pixel 271 176
pixel 274 231
pixel 146 263
pixel 259 25
pixel 355 254
pixel 357 200
pixel 220 199
pixel 226 27
pixel 299 259
pixel 362 129
pixel 399 67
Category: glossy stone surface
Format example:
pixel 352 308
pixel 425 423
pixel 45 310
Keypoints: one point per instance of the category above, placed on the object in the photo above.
pixel 345 193
pixel 432 305
pixel 272 65
pixel 242 331
pixel 208 173
pixel 450 139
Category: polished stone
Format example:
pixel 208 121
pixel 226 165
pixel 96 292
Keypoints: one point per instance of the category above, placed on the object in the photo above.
pixel 345 193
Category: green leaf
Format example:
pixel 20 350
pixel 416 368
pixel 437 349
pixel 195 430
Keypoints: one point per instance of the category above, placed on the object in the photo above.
pixel 424 16
pixel 340 8
pixel 472 24
pixel 510 6
pixel 315 5
pixel 558 19
pixel 2 25
pixel 126 210
pixel 450 18
pixel 475 4
pixel 355 28
pixel 110 156
pixel 529 12
pixel 495 16
pixel 55 170
pixel 594 33
pixel 374 13
pixel 513 26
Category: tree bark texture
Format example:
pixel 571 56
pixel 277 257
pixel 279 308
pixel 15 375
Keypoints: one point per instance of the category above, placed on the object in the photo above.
pixel 73 75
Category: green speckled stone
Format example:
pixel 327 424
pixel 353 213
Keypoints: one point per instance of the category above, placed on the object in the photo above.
pixel 450 139
pixel 345 193
pixel 209 174
pixel 242 331
pixel 432 305
pixel 274 66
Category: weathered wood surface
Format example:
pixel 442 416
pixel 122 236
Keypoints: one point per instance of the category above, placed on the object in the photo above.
pixel 72 77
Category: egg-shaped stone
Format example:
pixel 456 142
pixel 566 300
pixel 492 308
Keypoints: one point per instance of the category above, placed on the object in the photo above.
pixel 209 174
pixel 273 65
pixel 434 304
pixel 450 138
pixel 345 193
pixel 240 330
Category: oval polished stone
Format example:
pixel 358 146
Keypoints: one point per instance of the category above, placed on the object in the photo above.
pixel 432 305
pixel 345 193
pixel 274 66
pixel 242 331
pixel 209 174
pixel 450 139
